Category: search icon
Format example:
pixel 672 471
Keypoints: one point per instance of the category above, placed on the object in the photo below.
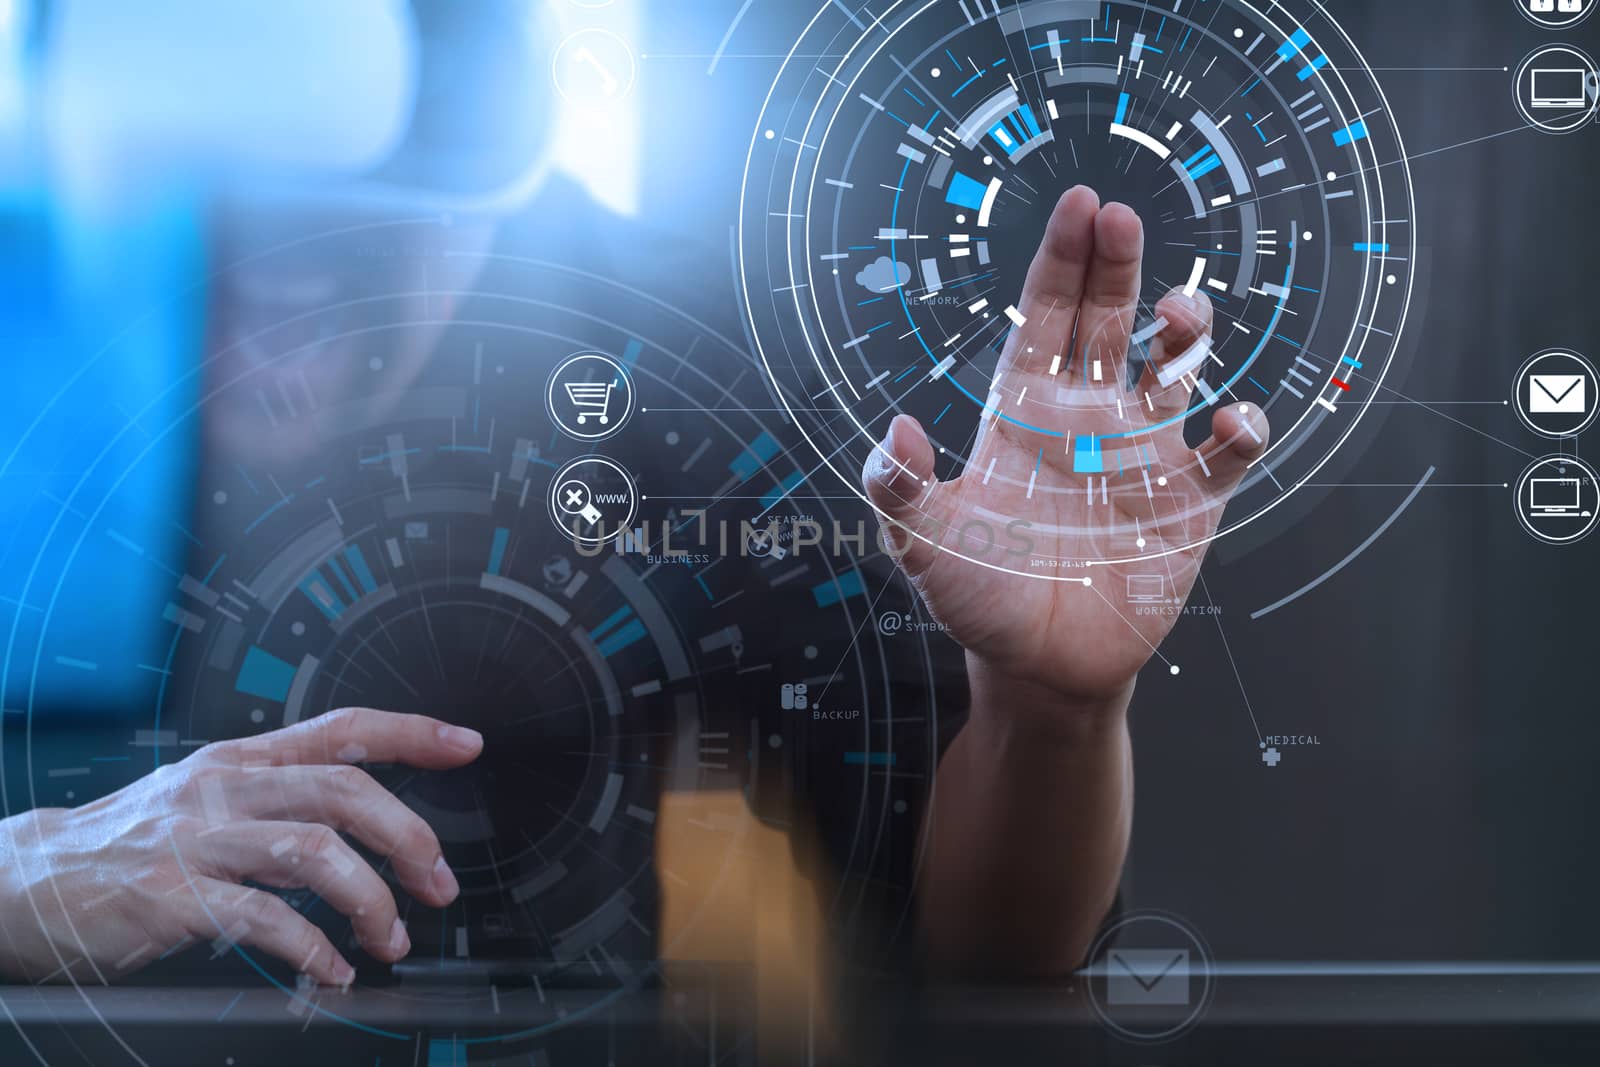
pixel 574 498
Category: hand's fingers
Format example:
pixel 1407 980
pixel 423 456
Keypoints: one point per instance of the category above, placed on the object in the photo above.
pixel 359 735
pixel 1054 286
pixel 1239 436
pixel 292 855
pixel 250 917
pixel 899 481
pixel 1179 352
pixel 349 800
pixel 1110 296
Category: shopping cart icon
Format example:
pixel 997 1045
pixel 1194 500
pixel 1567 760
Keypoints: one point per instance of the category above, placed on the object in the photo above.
pixel 592 399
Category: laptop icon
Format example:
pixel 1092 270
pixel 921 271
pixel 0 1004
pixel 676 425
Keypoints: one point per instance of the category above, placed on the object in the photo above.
pixel 1147 589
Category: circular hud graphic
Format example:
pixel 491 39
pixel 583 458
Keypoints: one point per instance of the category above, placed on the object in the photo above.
pixel 373 527
pixel 898 187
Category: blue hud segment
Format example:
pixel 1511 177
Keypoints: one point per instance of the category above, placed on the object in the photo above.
pixel 847 585
pixel 447 1053
pixel 1202 162
pixel 1352 133
pixel 1087 456
pixel 965 192
pixel 358 567
pixel 497 550
pixel 754 456
pixel 619 638
pixel 1122 110
pixel 264 675
pixel 1296 43
pixel 630 354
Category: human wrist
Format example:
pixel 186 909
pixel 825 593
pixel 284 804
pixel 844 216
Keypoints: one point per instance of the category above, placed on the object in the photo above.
pixel 1034 711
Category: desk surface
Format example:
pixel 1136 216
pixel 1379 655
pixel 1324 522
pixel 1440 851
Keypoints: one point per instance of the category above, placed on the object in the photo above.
pixel 1477 1018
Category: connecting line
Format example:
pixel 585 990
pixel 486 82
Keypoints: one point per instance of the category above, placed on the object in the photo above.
pixel 1450 418
pixel 1237 677
pixel 1342 564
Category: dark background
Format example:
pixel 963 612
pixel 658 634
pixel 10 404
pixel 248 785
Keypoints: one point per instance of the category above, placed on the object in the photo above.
pixel 1449 672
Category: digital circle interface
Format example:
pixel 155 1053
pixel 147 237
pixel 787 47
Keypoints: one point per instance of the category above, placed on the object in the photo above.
pixel 898 188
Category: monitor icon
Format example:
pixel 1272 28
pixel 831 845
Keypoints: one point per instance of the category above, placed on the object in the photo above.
pixel 1555 497
pixel 1558 500
pixel 1558 87
pixel 1147 588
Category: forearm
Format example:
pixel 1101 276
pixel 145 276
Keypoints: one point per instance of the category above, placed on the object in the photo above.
pixel 1028 830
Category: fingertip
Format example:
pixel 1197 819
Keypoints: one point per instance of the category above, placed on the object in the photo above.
pixel 1118 232
pixel 459 741
pixel 1242 429
pixel 1185 313
pixel 1069 234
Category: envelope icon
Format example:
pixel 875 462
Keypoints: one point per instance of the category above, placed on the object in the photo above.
pixel 1143 976
pixel 1557 394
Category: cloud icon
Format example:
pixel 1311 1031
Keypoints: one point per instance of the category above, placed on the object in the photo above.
pixel 882 275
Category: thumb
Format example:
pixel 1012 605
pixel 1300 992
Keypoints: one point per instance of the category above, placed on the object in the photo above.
pixel 901 487
pixel 1239 437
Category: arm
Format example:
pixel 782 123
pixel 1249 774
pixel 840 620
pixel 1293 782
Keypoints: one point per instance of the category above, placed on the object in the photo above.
pixel 1032 807
pixel 1029 825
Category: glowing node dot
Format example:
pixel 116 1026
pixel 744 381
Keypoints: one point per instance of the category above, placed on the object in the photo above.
pixel 811 652
pixel 1239 32
pixel 1174 668
pixel 1306 235
pixel 1391 279
pixel 836 270
pixel 298 629
pixel 672 437
pixel 771 134
pixel 1161 480
pixel 1219 248
pixel 961 220
pixel 1332 176
pixel 1263 744
pixel 376 362
pixel 219 497
pixel 988 161
pixel 1140 542
pixel 1244 409
pixel 72 794
pixel 257 715
pixel 935 72
pixel 1087 582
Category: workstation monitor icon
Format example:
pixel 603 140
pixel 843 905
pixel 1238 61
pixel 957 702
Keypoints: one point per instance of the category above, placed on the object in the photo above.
pixel 1557 89
pixel 1558 500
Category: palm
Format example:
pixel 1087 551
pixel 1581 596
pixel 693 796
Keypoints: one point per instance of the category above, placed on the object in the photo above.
pixel 1122 534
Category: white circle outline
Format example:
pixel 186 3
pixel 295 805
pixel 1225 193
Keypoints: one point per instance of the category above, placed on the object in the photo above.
pixel 1519 401
pixel 1522 108
pixel 565 474
pixel 1407 185
pixel 1522 484
pixel 1571 21
pixel 617 421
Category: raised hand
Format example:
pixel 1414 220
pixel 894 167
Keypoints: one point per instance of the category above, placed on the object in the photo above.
pixel 1066 370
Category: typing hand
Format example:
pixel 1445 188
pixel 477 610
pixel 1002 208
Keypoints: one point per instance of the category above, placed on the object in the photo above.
pixel 101 890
